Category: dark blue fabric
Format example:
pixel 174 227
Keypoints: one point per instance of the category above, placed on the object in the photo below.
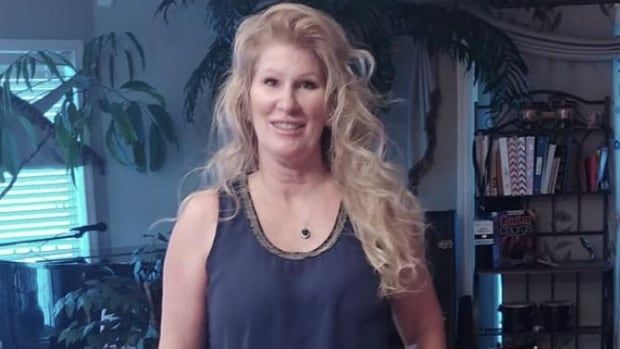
pixel 258 299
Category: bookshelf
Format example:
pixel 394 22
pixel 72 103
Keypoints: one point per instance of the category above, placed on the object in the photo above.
pixel 542 187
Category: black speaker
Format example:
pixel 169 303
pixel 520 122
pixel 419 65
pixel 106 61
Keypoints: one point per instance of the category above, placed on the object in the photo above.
pixel 441 263
pixel 466 336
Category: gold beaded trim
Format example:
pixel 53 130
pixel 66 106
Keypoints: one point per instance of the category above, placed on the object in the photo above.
pixel 246 199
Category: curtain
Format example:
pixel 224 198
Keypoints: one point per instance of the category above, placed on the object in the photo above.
pixel 555 46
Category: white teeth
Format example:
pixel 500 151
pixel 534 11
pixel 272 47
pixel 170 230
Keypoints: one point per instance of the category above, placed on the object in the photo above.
pixel 286 125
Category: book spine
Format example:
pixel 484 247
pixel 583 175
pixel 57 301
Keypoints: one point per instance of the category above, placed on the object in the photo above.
pixel 561 152
pixel 554 175
pixel 530 158
pixel 518 167
pixel 544 186
pixel 541 151
pixel 591 163
pixel 505 168
pixel 601 177
pixel 493 175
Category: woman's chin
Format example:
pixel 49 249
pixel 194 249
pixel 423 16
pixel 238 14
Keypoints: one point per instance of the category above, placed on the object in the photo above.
pixel 292 155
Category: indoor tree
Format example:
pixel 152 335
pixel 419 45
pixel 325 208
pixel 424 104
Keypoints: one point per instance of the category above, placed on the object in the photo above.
pixel 481 47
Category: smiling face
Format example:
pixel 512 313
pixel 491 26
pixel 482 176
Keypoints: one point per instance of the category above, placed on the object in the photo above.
pixel 287 103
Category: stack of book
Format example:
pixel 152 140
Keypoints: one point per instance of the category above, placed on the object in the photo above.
pixel 531 165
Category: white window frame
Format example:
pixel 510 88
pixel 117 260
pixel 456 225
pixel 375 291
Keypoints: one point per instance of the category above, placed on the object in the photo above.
pixel 90 245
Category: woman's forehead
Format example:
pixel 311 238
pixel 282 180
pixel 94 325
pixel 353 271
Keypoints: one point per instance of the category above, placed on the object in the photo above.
pixel 286 59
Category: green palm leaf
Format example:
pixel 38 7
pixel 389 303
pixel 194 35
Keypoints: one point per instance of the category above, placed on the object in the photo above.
pixel 484 49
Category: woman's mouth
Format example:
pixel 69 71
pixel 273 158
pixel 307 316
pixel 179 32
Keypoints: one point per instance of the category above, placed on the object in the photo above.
pixel 286 126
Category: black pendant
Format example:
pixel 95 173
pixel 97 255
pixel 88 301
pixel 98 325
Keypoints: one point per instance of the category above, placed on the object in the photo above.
pixel 305 233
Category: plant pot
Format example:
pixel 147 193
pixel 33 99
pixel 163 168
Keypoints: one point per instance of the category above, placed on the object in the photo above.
pixel 556 315
pixel 518 317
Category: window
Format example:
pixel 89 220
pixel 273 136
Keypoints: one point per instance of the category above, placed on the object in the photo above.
pixel 43 202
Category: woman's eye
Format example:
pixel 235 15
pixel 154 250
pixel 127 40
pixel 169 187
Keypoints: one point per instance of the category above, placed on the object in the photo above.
pixel 270 82
pixel 309 85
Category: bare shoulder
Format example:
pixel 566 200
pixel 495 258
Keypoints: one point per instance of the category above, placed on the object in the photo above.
pixel 197 221
pixel 185 279
pixel 202 203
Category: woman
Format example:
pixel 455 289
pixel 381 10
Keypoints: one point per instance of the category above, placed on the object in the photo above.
pixel 309 237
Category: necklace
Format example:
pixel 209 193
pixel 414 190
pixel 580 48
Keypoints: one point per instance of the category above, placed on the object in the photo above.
pixel 305 232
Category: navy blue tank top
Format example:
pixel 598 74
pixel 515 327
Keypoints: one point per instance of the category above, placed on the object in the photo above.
pixel 262 297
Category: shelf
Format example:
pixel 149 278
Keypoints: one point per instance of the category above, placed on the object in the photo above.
pixel 573 267
pixel 495 332
pixel 540 131
pixel 569 233
pixel 566 233
pixel 572 193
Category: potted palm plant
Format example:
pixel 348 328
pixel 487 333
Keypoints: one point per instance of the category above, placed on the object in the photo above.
pixel 441 27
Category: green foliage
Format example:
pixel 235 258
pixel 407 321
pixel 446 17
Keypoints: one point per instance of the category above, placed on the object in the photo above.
pixel 115 309
pixel 112 310
pixel 88 93
pixel 494 58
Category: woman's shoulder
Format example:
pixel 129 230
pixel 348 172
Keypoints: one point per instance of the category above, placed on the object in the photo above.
pixel 204 197
pixel 200 206
pixel 197 219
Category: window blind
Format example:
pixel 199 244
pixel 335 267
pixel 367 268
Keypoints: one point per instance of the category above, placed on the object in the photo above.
pixel 43 202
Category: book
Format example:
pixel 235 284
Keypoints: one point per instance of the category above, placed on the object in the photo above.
pixel 559 184
pixel 601 177
pixel 498 171
pixel 504 166
pixel 548 166
pixel 553 178
pixel 481 144
pixel 530 158
pixel 493 181
pixel 540 152
pixel 591 172
pixel 518 173
pixel 515 242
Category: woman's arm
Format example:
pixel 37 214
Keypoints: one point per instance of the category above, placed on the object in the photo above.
pixel 418 316
pixel 184 324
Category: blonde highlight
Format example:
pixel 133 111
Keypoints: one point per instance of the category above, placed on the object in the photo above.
pixel 386 217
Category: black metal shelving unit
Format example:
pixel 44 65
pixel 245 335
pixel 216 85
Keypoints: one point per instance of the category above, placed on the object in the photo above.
pixel 509 122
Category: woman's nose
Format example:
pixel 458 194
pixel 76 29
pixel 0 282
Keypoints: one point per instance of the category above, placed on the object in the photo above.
pixel 287 101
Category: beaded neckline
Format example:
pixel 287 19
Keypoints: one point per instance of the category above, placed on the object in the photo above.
pixel 248 205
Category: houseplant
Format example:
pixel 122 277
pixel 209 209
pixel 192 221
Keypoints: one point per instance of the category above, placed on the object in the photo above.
pixel 117 311
pixel 138 126
pixel 113 309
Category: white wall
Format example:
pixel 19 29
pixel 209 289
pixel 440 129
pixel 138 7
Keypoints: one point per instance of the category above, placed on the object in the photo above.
pixel 437 189
pixel 130 201
pixel 45 19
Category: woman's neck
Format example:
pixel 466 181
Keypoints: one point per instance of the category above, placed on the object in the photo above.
pixel 288 182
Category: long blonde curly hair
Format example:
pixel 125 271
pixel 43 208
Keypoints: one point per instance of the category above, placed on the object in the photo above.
pixel 386 217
